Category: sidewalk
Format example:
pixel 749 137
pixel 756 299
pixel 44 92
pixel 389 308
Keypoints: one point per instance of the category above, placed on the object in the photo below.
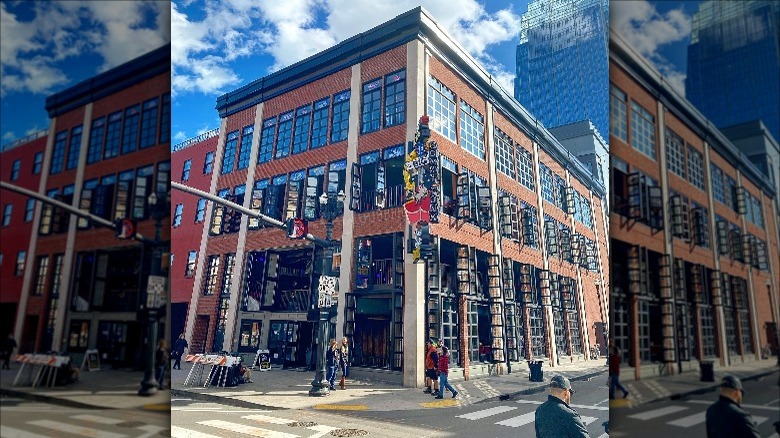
pixel 288 389
pixel 104 389
pixel 658 388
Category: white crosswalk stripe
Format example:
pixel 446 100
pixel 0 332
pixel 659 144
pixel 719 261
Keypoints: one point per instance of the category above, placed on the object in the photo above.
pixel 486 412
pixel 246 429
pixel 75 429
pixel 180 432
pixel 253 429
pixel 686 421
pixel 522 420
pixel 516 420
pixel 690 420
pixel 10 432
pixel 660 412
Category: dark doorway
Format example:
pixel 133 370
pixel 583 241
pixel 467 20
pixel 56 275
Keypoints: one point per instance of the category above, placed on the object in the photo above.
pixel 29 334
pixel 7 318
pixel 372 336
pixel 199 334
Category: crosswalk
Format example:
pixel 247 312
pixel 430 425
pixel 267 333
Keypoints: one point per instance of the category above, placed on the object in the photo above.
pixel 84 425
pixel 516 415
pixel 685 415
pixel 254 425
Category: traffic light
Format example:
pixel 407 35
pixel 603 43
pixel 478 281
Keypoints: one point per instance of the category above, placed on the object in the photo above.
pixel 426 240
pixel 297 228
pixel 424 129
pixel 125 228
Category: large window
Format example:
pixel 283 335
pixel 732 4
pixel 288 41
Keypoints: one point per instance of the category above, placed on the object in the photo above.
pixel 200 213
pixel 58 155
pixel 185 171
pixel 17 164
pixel 617 113
pixel 42 267
pixel 208 163
pixel 372 106
pixel 274 202
pixel 149 123
pixel 75 148
pixel 165 119
pixel 472 130
pixel 230 152
pixel 547 183
pixel 95 149
pixel 29 209
pixel 189 269
pixel 441 107
pixel 395 98
pixel 319 125
pixel 302 128
pixel 37 163
pixel 525 168
pixel 130 129
pixel 7 214
pixel 177 215
pixel 113 135
pixel 505 161
pixel 249 335
pixel 284 136
pixel 695 168
pixel 246 147
pixel 538 338
pixel 718 189
pixel 675 153
pixel 340 117
pixel 21 256
pixel 642 130
pixel 212 270
pixel 267 137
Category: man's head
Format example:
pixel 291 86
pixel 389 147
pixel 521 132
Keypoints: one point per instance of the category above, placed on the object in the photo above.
pixel 731 387
pixel 561 387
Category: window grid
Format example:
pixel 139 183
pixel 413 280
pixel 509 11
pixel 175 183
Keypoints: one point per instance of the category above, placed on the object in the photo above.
pixel 149 123
pixel 441 107
pixel 165 119
pixel 177 215
pixel 37 163
pixel 718 189
pixel 707 331
pixel 185 171
pixel 695 168
pixel 230 152
pixel 505 162
pixel 7 214
pixel 371 106
pixel 246 147
pixel 189 269
pixel 42 265
pixel 21 256
pixel 75 148
pixel 395 98
pixel 208 163
pixel 758 217
pixel 95 148
pixel 675 153
pixel 210 283
pixel 319 125
pixel 15 169
pixel 200 213
pixel 284 136
pixel 58 155
pixel 130 130
pixel 547 183
pixel 29 209
pixel 642 130
pixel 472 130
pixel 644 331
pixel 113 135
pixel 340 117
pixel 525 168
pixel 746 331
pixel 618 125
pixel 574 332
pixel 538 337
pixel 302 128
pixel 227 274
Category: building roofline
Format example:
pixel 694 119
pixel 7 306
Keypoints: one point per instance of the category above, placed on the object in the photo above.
pixel 414 24
pixel 137 70
pixel 197 139
pixel 26 139
pixel 654 82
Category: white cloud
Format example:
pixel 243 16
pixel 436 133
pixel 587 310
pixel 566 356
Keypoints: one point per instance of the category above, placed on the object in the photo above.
pixel 292 30
pixel 179 137
pixel 32 51
pixel 9 136
pixel 646 30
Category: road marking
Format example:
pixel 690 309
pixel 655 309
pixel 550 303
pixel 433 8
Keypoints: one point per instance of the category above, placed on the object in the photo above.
pixel 342 407
pixel 76 430
pixel 536 402
pixel 690 420
pixel 213 410
pixel 150 430
pixel 267 419
pixel 655 413
pixel 603 401
pixel 772 402
pixel 486 412
pixel 588 420
pixel 10 432
pixel 97 419
pixel 518 421
pixel 445 403
pixel 746 406
pixel 180 432
pixel 604 435
pixel 759 420
pixel 248 430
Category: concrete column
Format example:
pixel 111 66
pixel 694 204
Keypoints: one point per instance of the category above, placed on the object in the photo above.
pixel 192 311
pixel 585 341
pixel 415 322
pixel 231 328
pixel 752 286
pixel 773 269
pixel 602 289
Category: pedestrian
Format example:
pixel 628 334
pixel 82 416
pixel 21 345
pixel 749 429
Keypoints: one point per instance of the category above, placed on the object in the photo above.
pixel 725 417
pixel 444 370
pixel 431 363
pixel 344 362
pixel 245 374
pixel 332 360
pixel 555 418
pixel 614 371
pixel 178 350
pixel 161 361
pixel 8 350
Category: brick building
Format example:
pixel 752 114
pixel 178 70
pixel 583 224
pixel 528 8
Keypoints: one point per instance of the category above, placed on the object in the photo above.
pixel 107 151
pixel 694 238
pixel 22 164
pixel 192 162
pixel 522 222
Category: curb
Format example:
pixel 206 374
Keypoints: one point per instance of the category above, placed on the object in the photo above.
pixel 221 400
pixel 50 399
pixel 708 388
pixel 539 388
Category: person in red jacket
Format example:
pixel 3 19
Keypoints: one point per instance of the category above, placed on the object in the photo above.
pixel 431 363
pixel 614 371
pixel 444 370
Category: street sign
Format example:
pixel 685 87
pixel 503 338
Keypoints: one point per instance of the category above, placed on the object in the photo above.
pixel 155 289
pixel 326 291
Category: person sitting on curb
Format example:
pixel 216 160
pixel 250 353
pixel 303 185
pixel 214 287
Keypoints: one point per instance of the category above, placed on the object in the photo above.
pixel 245 373
pixel 725 417
pixel 555 418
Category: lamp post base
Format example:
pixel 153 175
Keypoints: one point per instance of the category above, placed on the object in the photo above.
pixel 148 387
pixel 319 386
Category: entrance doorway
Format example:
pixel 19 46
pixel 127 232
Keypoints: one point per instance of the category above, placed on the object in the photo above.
pixel 372 341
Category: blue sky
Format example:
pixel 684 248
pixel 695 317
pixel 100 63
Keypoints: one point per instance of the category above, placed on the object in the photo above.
pixel 46 47
pixel 658 30
pixel 220 46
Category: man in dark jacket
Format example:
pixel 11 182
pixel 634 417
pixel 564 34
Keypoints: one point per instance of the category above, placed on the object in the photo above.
pixel 178 350
pixel 555 418
pixel 726 418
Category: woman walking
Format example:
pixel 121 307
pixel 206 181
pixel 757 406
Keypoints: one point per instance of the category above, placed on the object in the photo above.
pixel 444 369
pixel 161 359
pixel 344 362
pixel 332 359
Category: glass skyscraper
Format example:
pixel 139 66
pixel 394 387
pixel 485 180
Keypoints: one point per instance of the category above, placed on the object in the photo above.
pixel 562 71
pixel 734 62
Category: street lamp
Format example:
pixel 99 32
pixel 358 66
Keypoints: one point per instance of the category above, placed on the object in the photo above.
pixel 158 206
pixel 329 203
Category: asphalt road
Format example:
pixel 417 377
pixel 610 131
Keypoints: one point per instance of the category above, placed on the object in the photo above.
pixel 27 419
pixel 501 418
pixel 686 417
